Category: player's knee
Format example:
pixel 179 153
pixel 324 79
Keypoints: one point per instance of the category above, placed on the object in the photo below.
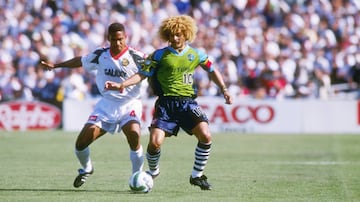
pixel 205 137
pixel 153 147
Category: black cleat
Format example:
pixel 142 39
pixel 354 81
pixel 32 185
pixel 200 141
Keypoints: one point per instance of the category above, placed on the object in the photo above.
pixel 201 182
pixel 152 175
pixel 81 178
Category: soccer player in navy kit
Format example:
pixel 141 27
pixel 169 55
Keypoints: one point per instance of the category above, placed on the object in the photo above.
pixel 170 71
pixel 116 110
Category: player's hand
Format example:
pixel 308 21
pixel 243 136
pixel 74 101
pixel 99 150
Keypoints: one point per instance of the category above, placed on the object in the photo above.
pixel 111 85
pixel 47 66
pixel 228 98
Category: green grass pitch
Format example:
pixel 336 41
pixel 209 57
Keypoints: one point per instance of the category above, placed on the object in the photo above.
pixel 41 166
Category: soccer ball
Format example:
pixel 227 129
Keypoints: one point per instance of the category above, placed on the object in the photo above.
pixel 141 182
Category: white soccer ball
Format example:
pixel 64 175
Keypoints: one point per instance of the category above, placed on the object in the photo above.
pixel 141 182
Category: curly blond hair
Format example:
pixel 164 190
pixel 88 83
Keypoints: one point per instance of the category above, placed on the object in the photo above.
pixel 182 23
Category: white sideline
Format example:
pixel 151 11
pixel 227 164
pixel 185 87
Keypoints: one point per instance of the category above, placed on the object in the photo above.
pixel 315 162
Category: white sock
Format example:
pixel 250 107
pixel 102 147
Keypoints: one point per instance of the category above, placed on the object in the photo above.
pixel 137 159
pixel 84 159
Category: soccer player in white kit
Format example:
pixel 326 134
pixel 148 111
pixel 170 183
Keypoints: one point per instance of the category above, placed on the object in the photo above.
pixel 116 110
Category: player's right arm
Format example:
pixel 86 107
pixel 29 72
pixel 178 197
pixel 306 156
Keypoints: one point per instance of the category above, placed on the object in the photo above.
pixel 72 63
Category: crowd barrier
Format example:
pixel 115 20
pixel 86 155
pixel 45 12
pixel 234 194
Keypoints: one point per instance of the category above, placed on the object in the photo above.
pixel 251 116
pixel 243 116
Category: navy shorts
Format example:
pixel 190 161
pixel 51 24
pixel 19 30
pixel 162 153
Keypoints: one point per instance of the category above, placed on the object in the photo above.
pixel 173 113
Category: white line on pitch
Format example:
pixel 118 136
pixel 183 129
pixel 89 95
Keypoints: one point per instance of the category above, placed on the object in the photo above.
pixel 316 162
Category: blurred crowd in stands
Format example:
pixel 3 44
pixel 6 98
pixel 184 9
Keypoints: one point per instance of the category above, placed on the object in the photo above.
pixel 265 49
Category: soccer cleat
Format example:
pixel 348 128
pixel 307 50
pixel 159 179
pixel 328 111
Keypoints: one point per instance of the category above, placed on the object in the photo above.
pixel 201 182
pixel 152 175
pixel 81 178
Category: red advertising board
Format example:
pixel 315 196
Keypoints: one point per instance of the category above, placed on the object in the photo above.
pixel 22 115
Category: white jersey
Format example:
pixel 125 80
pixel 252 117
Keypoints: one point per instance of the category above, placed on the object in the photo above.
pixel 115 69
pixel 115 108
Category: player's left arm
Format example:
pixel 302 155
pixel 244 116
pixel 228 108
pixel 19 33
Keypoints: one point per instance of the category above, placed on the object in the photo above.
pixel 145 70
pixel 214 74
pixel 216 77
pixel 134 79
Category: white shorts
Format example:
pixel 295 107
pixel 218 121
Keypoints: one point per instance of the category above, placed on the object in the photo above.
pixel 113 115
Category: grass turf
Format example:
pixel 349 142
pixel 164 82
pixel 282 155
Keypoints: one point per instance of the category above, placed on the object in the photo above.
pixel 41 166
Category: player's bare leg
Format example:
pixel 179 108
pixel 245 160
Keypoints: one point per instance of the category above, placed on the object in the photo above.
pixel 88 134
